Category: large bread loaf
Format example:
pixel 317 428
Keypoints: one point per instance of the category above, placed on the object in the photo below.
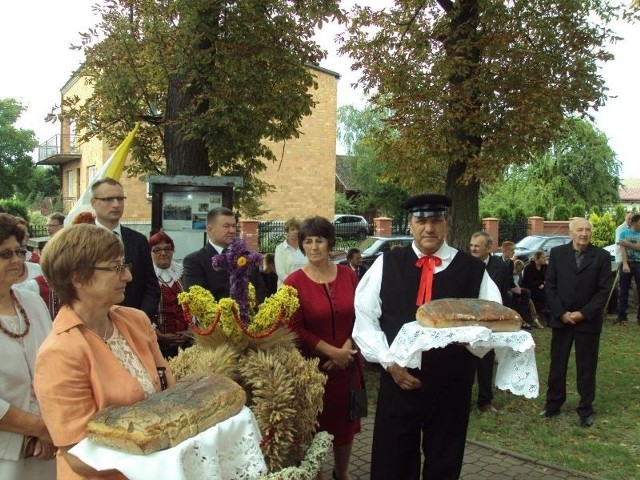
pixel 165 419
pixel 467 312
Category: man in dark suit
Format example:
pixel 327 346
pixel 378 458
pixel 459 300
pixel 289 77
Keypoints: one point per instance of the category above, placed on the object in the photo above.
pixel 480 247
pixel 142 292
pixel 577 286
pixel 518 297
pixel 354 257
pixel 221 228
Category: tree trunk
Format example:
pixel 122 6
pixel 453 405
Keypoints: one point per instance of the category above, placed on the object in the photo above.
pixel 463 218
pixel 464 56
pixel 184 156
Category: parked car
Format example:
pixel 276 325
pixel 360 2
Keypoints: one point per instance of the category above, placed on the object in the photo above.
pixel 350 226
pixel 372 247
pixel 526 247
pixel 612 252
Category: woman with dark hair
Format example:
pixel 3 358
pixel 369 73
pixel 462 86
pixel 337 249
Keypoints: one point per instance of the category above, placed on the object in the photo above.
pixel 269 274
pixel 99 353
pixel 323 324
pixel 25 444
pixel 288 255
pixel 172 324
pixel 533 279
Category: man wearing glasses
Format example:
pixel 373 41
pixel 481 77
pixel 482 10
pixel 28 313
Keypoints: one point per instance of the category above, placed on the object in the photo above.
pixel 55 222
pixel 142 292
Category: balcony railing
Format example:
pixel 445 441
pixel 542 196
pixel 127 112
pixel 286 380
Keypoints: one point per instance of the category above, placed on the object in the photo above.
pixel 58 145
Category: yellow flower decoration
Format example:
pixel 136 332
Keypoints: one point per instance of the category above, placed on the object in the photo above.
pixel 229 319
pixel 252 298
pixel 201 304
pixel 278 307
pixel 242 261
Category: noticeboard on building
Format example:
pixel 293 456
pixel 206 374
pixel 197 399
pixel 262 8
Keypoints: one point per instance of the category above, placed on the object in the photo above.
pixel 180 204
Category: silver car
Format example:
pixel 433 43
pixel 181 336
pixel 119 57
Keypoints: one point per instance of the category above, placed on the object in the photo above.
pixel 350 226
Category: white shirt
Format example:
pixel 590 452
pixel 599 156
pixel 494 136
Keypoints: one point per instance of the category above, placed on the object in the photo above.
pixel 217 248
pixel 367 332
pixel 288 259
pixel 116 230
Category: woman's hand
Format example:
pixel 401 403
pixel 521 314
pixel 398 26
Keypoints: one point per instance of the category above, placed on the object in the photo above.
pixel 44 450
pixel 341 358
pixel 171 339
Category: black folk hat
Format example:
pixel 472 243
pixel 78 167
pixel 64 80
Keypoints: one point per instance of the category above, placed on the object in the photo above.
pixel 429 205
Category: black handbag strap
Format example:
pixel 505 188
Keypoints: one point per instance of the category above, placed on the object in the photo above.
pixel 356 364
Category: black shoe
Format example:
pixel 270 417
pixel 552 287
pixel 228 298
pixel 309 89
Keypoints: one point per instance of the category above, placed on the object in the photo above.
pixel 620 321
pixel 549 413
pixel 586 421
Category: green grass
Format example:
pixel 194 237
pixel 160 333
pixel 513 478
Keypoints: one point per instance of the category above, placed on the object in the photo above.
pixel 610 449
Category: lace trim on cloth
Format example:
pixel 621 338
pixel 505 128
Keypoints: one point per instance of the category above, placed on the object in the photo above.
pixel 228 450
pixel 169 275
pixel 515 352
pixel 129 360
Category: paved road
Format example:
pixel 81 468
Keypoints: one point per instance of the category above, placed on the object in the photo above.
pixel 481 462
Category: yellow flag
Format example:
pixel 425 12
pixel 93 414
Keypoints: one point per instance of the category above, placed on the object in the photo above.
pixel 116 162
pixel 112 168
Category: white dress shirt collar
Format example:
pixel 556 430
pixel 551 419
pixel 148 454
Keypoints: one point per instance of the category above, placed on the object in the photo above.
pixel 116 230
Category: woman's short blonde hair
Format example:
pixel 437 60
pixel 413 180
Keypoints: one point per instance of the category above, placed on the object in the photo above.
pixel 71 255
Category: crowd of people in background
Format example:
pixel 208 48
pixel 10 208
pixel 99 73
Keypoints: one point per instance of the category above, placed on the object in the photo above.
pixel 114 296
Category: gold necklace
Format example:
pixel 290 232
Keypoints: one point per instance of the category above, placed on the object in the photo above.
pixel 102 337
pixel 19 311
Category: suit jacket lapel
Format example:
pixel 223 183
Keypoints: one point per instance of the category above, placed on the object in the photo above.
pixel 587 259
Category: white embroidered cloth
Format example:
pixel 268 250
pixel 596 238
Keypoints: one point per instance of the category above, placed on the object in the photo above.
pixel 515 352
pixel 228 450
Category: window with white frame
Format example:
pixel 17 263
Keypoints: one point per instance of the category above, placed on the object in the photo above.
pixel 92 171
pixel 71 183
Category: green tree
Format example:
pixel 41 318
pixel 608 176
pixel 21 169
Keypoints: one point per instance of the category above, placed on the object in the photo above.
pixel 378 186
pixel 579 169
pixel 215 80
pixel 16 207
pixel 16 167
pixel 477 86
pixel 604 229
pixel 344 204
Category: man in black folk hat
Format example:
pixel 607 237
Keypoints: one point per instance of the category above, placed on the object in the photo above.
pixel 432 402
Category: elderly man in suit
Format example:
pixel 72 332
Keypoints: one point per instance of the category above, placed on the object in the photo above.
pixel 198 270
pixel 142 292
pixel 577 285
pixel 480 247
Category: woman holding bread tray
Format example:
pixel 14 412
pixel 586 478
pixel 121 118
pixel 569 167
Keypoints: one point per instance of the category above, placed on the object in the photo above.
pixel 26 450
pixel 98 353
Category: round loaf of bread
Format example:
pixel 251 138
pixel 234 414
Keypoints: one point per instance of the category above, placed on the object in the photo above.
pixel 468 312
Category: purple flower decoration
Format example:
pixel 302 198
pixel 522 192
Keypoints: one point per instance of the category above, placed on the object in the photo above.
pixel 237 259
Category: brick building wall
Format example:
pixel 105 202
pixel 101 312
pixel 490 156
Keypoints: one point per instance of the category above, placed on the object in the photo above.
pixel 304 180
pixel 303 177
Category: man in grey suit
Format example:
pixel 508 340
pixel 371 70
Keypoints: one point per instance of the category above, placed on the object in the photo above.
pixel 577 286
